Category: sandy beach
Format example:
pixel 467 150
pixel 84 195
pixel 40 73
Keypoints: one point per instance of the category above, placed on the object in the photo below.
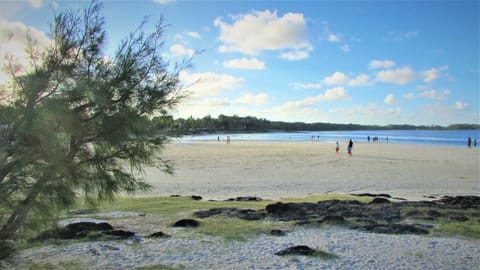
pixel 274 170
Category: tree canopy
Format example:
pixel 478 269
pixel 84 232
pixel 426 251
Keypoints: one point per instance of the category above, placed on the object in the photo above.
pixel 79 121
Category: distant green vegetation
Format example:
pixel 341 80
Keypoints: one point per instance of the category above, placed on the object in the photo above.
pixel 235 123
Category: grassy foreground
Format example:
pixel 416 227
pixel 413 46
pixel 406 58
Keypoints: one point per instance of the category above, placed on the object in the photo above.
pixel 162 212
pixel 153 214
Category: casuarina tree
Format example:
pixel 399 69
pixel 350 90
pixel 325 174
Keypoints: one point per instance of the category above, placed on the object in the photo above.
pixel 78 123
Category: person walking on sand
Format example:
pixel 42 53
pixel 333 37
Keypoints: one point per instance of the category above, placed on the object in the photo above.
pixel 337 147
pixel 350 147
pixel 469 142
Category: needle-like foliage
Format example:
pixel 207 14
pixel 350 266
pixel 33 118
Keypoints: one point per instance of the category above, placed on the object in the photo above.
pixel 79 122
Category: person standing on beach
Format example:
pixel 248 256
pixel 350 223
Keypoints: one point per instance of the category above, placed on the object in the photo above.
pixel 469 142
pixel 337 147
pixel 350 147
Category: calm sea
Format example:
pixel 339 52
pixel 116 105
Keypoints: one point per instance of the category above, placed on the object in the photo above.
pixel 426 137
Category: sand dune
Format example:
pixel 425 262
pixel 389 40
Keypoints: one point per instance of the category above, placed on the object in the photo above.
pixel 272 170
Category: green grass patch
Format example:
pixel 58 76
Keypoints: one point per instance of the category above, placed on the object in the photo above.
pixel 59 266
pixel 170 209
pixel 325 197
pixel 468 229
pixel 237 229
pixel 172 205
pixel 323 255
pixel 162 212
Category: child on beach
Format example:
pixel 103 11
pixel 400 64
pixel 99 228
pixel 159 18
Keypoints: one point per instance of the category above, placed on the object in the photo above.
pixel 337 147
pixel 350 147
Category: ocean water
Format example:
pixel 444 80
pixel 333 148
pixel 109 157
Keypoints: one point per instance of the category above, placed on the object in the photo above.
pixel 424 137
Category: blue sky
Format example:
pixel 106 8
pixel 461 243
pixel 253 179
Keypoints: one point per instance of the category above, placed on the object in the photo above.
pixel 365 62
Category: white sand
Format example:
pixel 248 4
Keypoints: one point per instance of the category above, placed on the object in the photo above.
pixel 356 250
pixel 273 170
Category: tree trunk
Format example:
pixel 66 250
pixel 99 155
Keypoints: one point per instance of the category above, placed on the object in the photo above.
pixel 18 216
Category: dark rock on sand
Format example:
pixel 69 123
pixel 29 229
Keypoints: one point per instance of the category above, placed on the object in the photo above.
pixel 333 220
pixel 81 211
pixel 396 229
pixel 290 211
pixel 190 223
pixel 119 233
pixel 277 232
pixel 82 229
pixel 79 230
pixel 379 200
pixel 245 199
pixel 461 201
pixel 372 195
pixel 380 216
pixel 297 250
pixel 245 214
pixel 159 235
pixel 345 209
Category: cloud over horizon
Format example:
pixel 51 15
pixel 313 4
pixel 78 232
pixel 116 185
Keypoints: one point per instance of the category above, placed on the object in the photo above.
pixel 258 31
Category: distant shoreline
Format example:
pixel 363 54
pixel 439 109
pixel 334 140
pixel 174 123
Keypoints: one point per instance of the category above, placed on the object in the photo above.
pixel 417 137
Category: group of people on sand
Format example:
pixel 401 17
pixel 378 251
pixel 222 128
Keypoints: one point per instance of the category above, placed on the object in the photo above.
pixel 349 147
pixel 469 142
pixel 375 139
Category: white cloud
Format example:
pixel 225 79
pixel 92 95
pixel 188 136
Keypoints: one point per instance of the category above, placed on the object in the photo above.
pixel 410 95
pixel 334 94
pixel 163 2
pixel 374 64
pixel 201 107
pixel 345 48
pixel 334 38
pixel 389 99
pixel 461 105
pixel 296 55
pixel 399 76
pixel 365 112
pixel 360 80
pixel 202 85
pixel 341 78
pixel 250 99
pixel 430 94
pixel 432 74
pixel 180 50
pixel 434 94
pixel 14 41
pixel 194 35
pixel 244 63
pixel 36 3
pixel 297 85
pixel 263 30
pixel 336 78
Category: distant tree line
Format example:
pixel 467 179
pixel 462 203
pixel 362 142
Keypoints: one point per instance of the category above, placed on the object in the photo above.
pixel 236 123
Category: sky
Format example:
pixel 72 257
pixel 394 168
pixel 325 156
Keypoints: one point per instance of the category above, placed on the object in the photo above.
pixel 363 62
